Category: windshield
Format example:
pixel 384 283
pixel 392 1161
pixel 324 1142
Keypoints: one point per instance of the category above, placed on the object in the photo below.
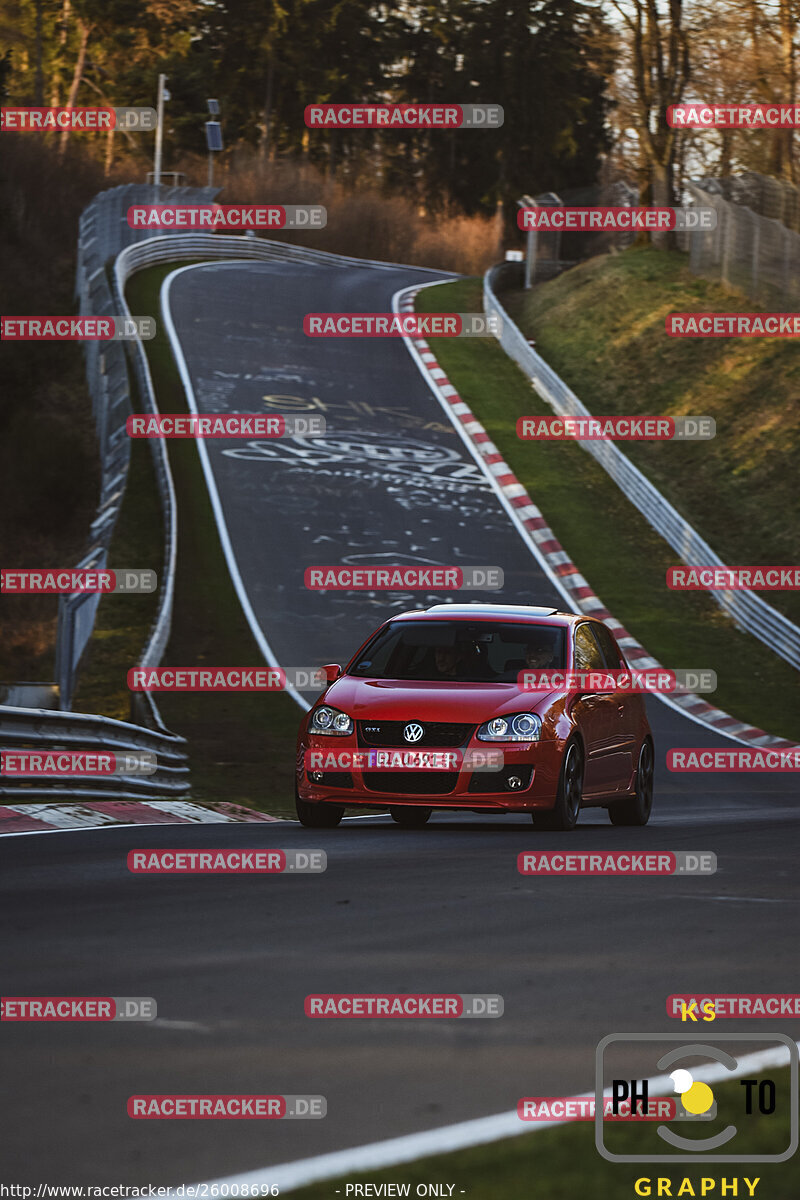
pixel 461 651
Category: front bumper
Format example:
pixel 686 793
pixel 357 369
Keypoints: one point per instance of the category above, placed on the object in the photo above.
pixel 535 764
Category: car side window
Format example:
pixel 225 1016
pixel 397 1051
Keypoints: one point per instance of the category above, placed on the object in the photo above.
pixel 608 646
pixel 588 655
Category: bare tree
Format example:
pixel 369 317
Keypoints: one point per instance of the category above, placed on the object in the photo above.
pixel 659 71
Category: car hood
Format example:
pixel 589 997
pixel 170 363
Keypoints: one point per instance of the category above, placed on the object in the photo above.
pixel 408 700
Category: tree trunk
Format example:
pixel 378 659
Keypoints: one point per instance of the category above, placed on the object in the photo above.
pixel 264 149
pixel 77 76
pixel 39 84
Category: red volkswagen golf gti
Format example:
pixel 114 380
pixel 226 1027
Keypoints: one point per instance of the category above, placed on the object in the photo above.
pixel 441 686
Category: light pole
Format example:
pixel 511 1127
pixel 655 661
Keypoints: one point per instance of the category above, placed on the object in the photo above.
pixel 163 95
pixel 213 138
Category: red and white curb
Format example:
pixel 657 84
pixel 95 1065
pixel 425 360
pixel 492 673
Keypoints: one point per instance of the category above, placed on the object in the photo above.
pixel 545 545
pixel 45 818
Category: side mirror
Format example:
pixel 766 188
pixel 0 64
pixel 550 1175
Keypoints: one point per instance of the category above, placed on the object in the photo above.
pixel 332 672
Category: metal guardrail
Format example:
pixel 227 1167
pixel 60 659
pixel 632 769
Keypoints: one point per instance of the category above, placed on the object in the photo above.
pixel 747 609
pixel 47 730
pixel 103 232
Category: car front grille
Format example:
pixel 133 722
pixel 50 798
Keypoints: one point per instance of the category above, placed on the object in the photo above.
pixel 411 783
pixel 435 733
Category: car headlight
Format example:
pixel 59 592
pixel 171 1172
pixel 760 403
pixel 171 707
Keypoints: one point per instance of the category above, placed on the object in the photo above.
pixel 330 721
pixel 521 727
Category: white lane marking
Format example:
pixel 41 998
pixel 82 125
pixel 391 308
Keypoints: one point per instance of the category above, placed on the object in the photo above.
pixel 528 536
pixel 165 1023
pixel 213 494
pixel 392 1152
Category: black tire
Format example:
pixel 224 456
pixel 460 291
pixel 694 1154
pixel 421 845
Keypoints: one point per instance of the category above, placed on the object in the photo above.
pixel 318 816
pixel 410 817
pixel 564 815
pixel 636 809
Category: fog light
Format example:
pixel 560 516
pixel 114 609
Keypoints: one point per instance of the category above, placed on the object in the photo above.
pixel 316 776
pixel 513 782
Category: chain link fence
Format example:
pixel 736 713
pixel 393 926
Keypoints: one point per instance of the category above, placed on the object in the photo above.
pixel 751 250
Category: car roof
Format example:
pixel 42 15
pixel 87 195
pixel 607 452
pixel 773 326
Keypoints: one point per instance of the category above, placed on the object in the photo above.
pixel 510 612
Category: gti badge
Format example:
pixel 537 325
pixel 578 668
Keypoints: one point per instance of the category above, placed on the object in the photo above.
pixel 413 732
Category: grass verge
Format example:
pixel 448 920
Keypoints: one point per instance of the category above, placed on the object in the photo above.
pixel 601 327
pixel 622 557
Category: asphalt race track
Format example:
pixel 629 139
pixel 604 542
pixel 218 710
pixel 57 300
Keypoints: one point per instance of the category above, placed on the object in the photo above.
pixel 391 481
pixel 229 960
